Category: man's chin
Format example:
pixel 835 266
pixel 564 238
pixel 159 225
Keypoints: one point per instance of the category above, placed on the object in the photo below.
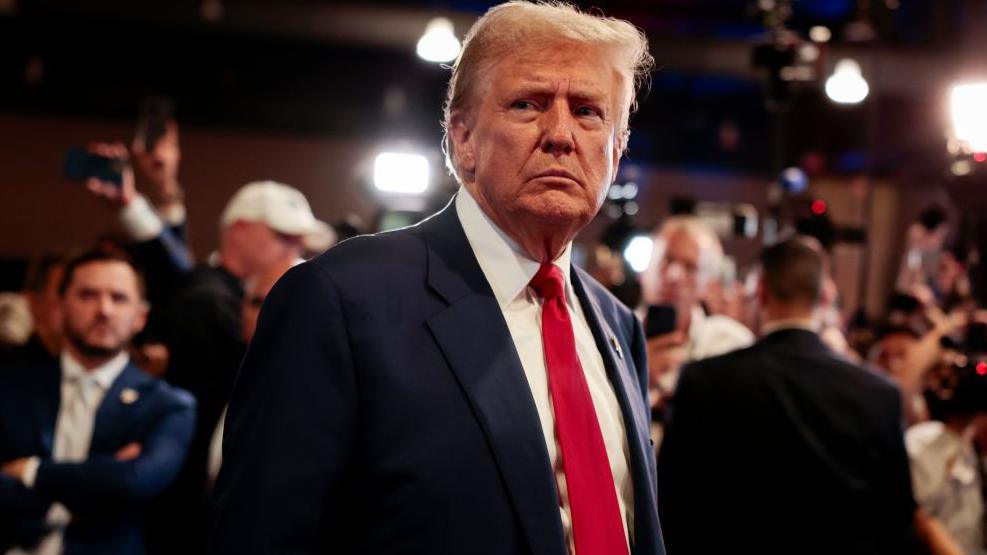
pixel 97 349
pixel 557 208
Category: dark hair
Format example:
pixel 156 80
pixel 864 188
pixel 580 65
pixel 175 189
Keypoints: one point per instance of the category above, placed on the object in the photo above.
pixel 792 270
pixel 152 123
pixel 39 272
pixel 932 217
pixel 100 254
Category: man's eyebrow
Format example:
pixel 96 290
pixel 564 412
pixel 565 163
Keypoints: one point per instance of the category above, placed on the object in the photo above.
pixel 587 91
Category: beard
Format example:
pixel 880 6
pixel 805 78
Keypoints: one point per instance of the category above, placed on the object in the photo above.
pixel 78 340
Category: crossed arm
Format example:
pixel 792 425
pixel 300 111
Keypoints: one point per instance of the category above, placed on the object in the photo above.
pixel 133 475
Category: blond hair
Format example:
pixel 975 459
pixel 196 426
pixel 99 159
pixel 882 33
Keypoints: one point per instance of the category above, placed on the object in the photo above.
pixel 710 253
pixel 507 25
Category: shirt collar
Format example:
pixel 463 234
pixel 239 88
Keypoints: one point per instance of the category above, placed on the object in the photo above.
pixel 808 324
pixel 504 265
pixel 104 374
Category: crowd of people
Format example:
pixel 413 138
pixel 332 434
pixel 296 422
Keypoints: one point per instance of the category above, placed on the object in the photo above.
pixel 413 391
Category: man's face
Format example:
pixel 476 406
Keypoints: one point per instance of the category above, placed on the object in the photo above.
pixel 539 147
pixel 44 304
pixel 256 294
pixel 160 162
pixel 259 247
pixel 894 349
pixel 679 271
pixel 102 308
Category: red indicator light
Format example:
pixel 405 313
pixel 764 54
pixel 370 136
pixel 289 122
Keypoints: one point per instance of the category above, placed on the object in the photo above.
pixel 818 207
pixel 982 368
pixel 980 157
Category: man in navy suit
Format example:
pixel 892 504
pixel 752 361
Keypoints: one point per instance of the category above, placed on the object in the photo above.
pixel 88 439
pixel 458 386
pixel 785 447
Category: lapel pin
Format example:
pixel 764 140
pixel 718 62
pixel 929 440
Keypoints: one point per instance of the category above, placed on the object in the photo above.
pixel 616 347
pixel 129 396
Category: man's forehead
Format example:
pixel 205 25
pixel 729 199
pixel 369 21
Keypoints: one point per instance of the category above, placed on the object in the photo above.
pixel 105 273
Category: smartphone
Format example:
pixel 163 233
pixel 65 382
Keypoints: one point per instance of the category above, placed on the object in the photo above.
pixel 80 165
pixel 660 320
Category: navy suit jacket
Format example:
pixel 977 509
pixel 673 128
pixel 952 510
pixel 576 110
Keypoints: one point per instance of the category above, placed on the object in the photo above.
pixel 382 408
pixel 106 497
pixel 785 448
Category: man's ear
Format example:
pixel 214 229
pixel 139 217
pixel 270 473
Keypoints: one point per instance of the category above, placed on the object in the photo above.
pixel 140 320
pixel 461 142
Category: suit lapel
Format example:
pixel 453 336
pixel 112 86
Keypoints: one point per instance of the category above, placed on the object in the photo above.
pixel 472 334
pixel 616 358
pixel 114 413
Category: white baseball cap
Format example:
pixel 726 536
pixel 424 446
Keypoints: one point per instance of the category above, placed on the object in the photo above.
pixel 283 208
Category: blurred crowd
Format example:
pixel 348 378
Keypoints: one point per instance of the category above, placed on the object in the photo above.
pixel 141 315
pixel 930 343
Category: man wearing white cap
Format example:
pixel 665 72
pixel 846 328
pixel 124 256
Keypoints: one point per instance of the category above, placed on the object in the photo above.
pixel 264 224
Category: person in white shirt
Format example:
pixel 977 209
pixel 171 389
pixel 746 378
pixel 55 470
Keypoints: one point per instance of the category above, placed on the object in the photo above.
pixel 88 440
pixel 947 476
pixel 687 256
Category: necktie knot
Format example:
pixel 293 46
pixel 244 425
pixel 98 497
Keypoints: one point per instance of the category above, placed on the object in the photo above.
pixel 548 282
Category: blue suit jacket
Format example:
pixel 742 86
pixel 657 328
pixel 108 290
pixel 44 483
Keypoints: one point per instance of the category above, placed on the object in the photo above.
pixel 106 497
pixel 382 408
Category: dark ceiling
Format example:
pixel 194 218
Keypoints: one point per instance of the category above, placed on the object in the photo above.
pixel 349 69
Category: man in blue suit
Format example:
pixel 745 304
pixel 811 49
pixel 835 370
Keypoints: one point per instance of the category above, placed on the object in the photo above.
pixel 88 439
pixel 458 386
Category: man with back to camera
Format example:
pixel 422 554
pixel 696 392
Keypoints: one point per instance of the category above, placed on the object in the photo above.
pixel 785 447
pixel 87 440
pixel 457 386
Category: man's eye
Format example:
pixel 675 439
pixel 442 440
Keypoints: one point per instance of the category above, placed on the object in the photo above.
pixel 522 105
pixel 586 111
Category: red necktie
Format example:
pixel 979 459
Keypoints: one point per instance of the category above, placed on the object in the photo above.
pixel 597 528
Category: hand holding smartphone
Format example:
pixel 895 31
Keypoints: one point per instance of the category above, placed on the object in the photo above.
pixel 105 169
pixel 80 165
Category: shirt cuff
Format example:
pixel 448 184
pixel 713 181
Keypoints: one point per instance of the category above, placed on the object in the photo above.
pixel 140 220
pixel 30 473
pixel 174 215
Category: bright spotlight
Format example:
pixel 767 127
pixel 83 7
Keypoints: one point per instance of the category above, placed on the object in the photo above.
pixel 847 85
pixel 820 34
pixel 401 173
pixel 638 253
pixel 969 107
pixel 439 43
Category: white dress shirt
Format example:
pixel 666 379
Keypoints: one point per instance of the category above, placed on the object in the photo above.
pixel 709 336
pixel 82 393
pixel 946 481
pixel 508 272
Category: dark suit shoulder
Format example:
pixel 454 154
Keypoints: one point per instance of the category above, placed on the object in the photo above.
pixel 156 389
pixel 376 255
pixel 22 372
pixel 800 361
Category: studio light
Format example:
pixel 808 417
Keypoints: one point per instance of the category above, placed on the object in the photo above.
pixel 969 110
pixel 638 252
pixel 847 85
pixel 401 173
pixel 439 43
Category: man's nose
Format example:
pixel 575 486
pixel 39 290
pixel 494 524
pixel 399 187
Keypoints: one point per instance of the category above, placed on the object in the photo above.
pixel 105 305
pixel 557 137
pixel 674 272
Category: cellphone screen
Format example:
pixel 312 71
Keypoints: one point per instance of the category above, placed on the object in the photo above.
pixel 80 165
pixel 661 319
